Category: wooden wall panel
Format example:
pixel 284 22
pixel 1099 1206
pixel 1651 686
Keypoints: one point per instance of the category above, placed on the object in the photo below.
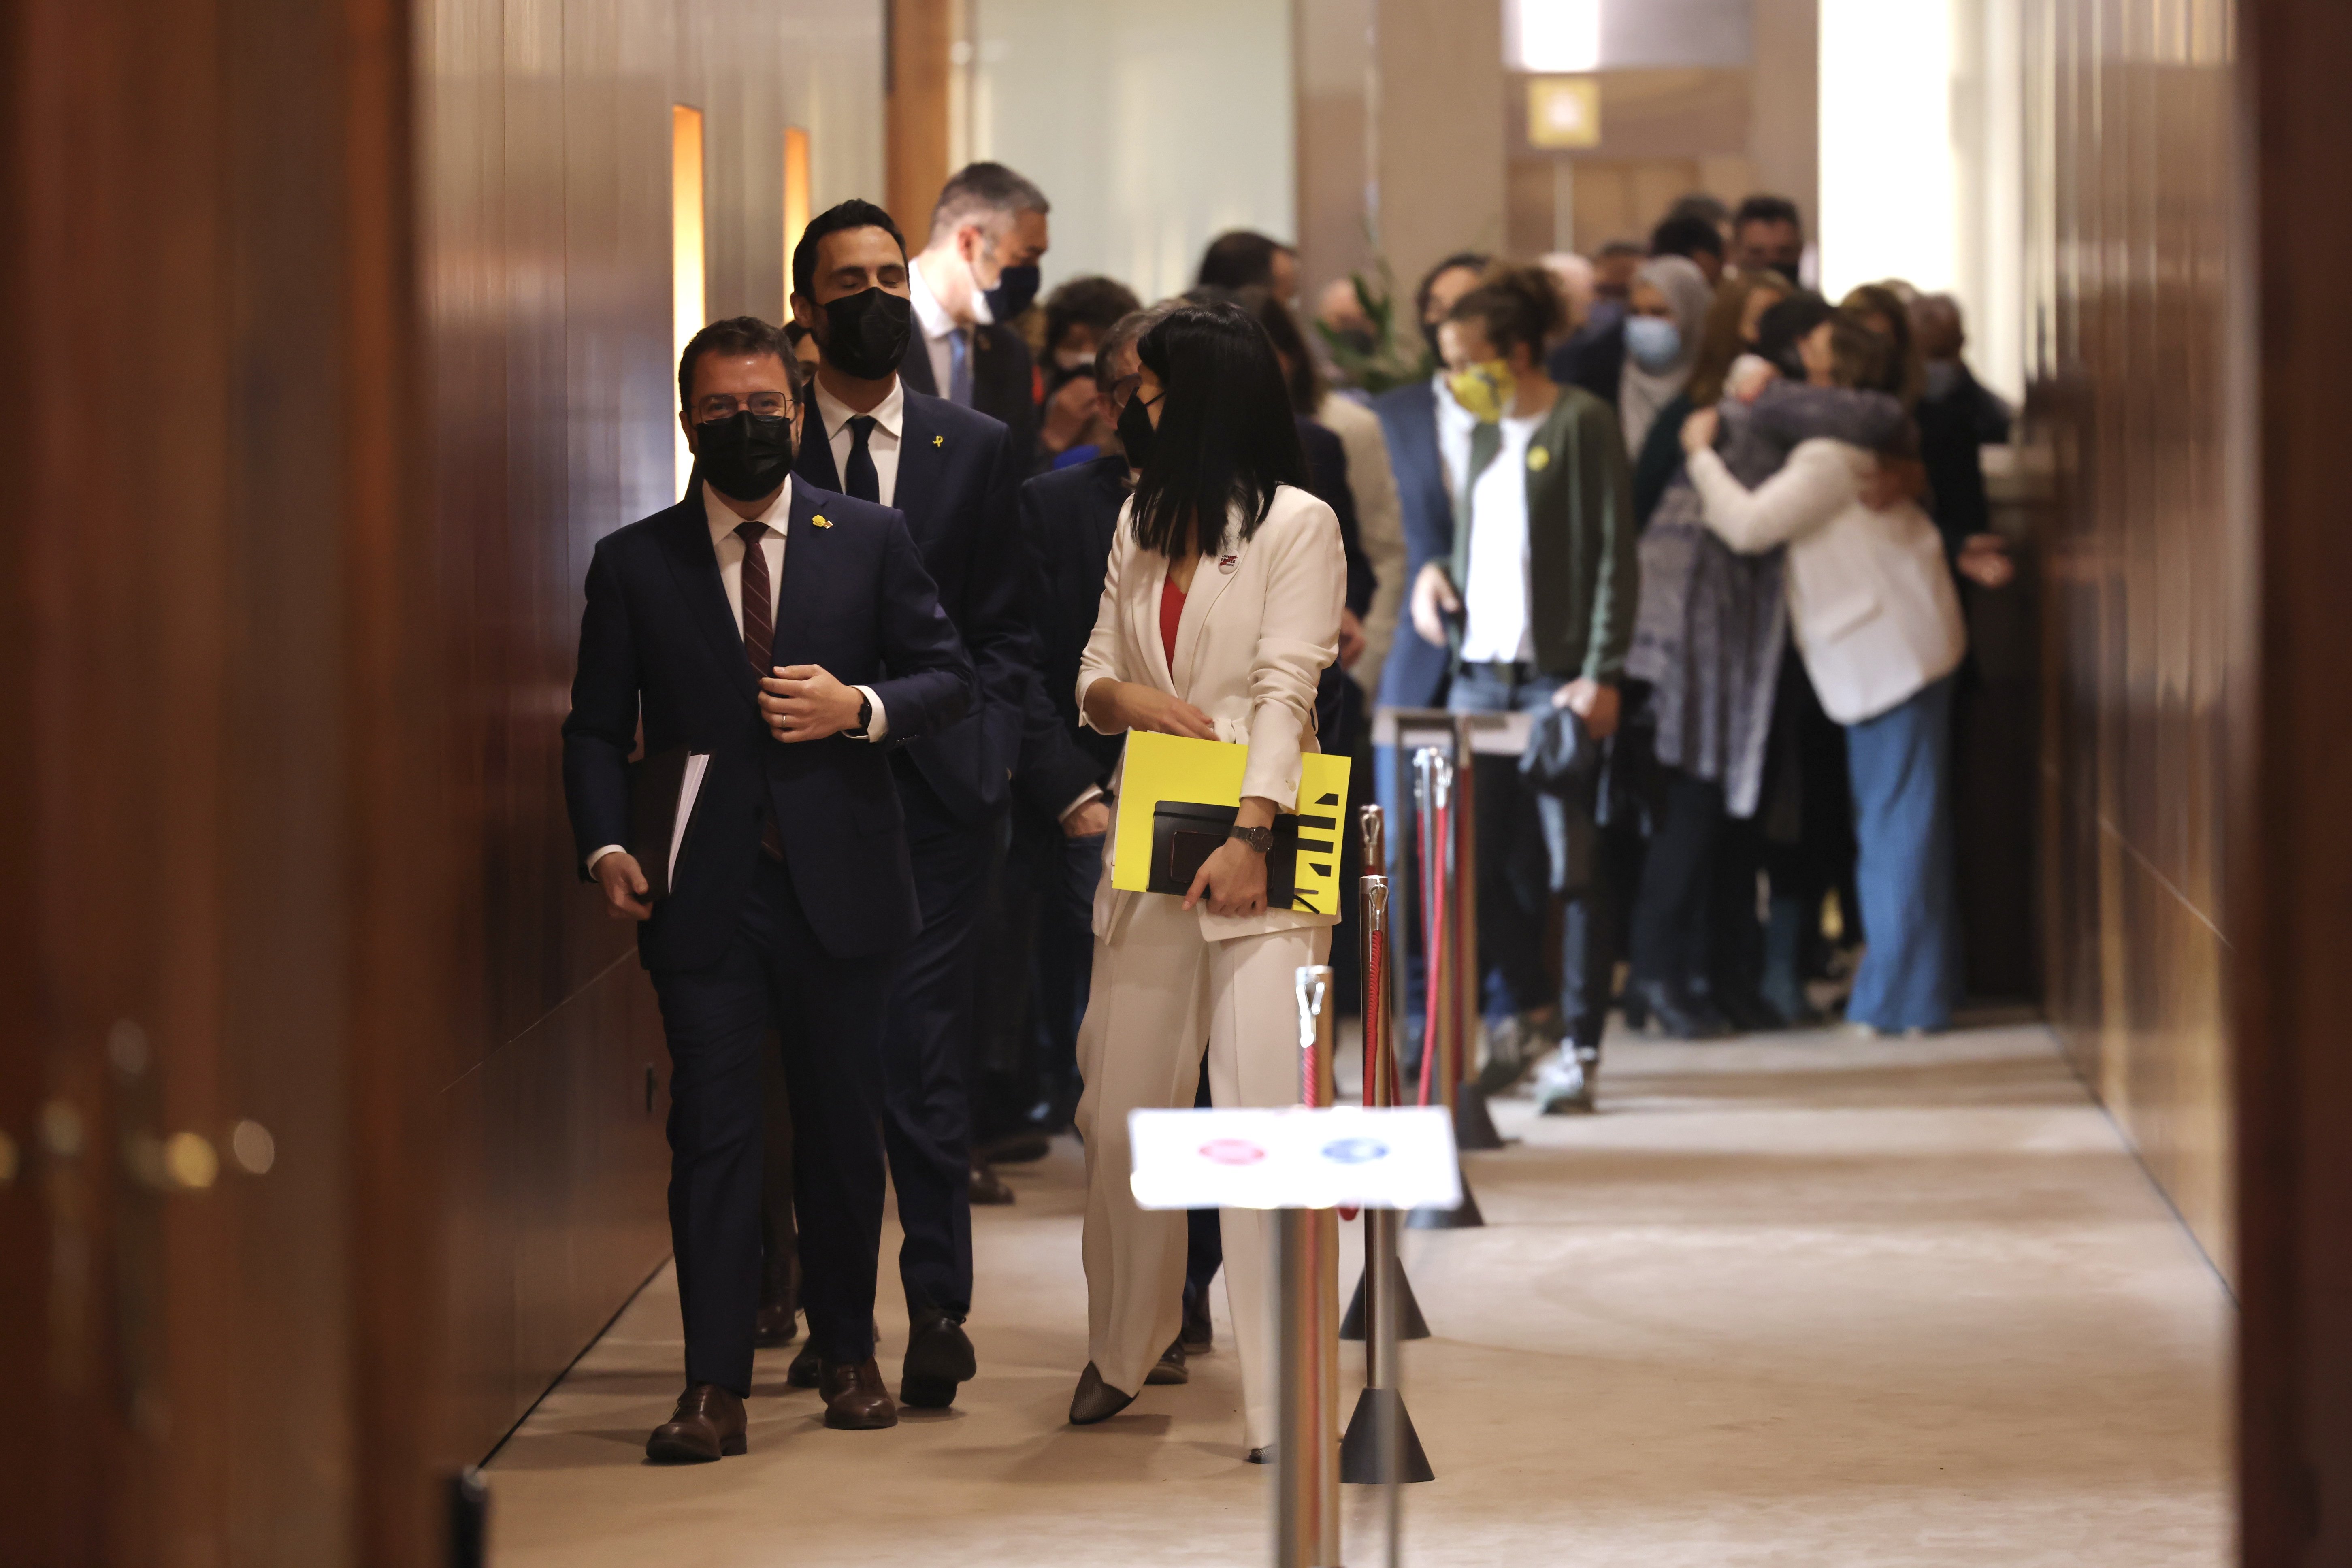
pixel 335 335
pixel 2133 164
pixel 2292 861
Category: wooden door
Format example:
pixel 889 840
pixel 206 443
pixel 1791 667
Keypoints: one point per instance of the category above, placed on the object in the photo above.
pixel 217 1297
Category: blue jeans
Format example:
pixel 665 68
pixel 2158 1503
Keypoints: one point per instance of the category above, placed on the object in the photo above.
pixel 1901 767
pixel 1524 839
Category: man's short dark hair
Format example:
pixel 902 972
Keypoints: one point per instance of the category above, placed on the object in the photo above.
pixel 1686 236
pixel 1700 204
pixel 984 190
pixel 1619 247
pixel 1462 260
pixel 853 213
pixel 735 336
pixel 1096 303
pixel 1767 209
pixel 1240 259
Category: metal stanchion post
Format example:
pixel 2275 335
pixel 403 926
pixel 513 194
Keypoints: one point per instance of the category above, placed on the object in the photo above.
pixel 1381 1444
pixel 1437 793
pixel 1382 975
pixel 1473 1128
pixel 1306 1444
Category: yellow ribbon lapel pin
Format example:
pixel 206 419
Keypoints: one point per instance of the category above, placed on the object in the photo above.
pixel 938 440
pixel 1539 459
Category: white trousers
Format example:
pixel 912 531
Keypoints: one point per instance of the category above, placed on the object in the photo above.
pixel 1160 992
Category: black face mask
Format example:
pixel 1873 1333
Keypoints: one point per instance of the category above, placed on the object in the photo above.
pixel 866 334
pixel 1136 432
pixel 744 455
pixel 1015 287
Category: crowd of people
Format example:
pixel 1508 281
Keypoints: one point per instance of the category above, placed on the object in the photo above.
pixel 1692 525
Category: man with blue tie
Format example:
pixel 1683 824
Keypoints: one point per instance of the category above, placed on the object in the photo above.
pixel 790 637
pixel 953 473
pixel 977 272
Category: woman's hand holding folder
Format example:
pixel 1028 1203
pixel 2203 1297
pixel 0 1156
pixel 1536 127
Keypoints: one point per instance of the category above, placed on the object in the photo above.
pixel 1115 705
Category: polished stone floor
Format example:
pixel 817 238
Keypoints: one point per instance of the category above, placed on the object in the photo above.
pixel 1801 1300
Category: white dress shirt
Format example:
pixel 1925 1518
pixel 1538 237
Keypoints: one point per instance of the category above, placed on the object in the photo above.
pixel 728 545
pixel 889 429
pixel 1455 423
pixel 1499 630
pixel 932 319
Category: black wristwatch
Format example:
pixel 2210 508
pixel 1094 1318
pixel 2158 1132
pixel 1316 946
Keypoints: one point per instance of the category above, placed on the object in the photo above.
pixel 1258 839
pixel 864 713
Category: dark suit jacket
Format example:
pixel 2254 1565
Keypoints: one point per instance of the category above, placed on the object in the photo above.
pixel 957 479
pixel 1414 675
pixel 1338 707
pixel 1068 518
pixel 1593 358
pixel 1326 481
pixel 1004 383
pixel 658 642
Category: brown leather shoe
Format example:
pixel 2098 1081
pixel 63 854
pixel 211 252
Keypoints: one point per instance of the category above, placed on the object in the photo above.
pixel 776 1326
pixel 855 1398
pixel 987 1187
pixel 708 1422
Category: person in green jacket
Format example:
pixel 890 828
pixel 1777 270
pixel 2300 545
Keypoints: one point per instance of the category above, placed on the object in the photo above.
pixel 1536 601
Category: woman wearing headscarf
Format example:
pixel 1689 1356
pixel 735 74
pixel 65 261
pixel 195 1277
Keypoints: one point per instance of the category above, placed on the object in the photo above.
pixel 1666 315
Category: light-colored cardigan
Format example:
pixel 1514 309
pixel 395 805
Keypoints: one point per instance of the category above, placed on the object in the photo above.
pixel 1870 597
pixel 1260 623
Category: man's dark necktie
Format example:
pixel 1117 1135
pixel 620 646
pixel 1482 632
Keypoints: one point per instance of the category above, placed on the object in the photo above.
pixel 759 644
pixel 759 617
pixel 859 478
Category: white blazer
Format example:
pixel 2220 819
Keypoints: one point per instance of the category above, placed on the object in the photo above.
pixel 1261 622
pixel 1870 597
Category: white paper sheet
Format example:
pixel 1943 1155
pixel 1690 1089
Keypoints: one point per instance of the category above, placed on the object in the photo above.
pixel 690 786
pixel 1346 1156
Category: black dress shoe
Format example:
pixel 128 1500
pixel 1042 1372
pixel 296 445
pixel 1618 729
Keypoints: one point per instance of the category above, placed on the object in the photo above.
pixel 938 1357
pixel 1095 1399
pixel 708 1422
pixel 1678 1016
pixel 1171 1368
pixel 1200 1334
pixel 1262 1455
pixel 802 1373
pixel 776 1326
pixel 987 1187
pixel 1746 1009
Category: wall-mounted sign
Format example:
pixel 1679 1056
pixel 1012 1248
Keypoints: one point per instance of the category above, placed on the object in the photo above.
pixel 1564 111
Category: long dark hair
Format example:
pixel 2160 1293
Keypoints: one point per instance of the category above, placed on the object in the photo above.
pixel 1227 435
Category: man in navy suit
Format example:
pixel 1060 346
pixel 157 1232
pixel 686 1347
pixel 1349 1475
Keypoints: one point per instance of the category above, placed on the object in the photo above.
pixel 955 474
pixel 1429 448
pixel 791 636
pixel 976 274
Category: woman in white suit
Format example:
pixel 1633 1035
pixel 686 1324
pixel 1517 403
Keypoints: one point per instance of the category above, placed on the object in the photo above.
pixel 1220 608
pixel 1876 619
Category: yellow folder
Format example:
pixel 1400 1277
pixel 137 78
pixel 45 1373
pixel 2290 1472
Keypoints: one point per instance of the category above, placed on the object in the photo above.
pixel 1177 796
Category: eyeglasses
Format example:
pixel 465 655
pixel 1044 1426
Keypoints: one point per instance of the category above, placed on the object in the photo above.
pixel 766 405
pixel 1123 388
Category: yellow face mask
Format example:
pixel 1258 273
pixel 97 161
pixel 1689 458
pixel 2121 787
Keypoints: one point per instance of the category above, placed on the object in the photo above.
pixel 1485 391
